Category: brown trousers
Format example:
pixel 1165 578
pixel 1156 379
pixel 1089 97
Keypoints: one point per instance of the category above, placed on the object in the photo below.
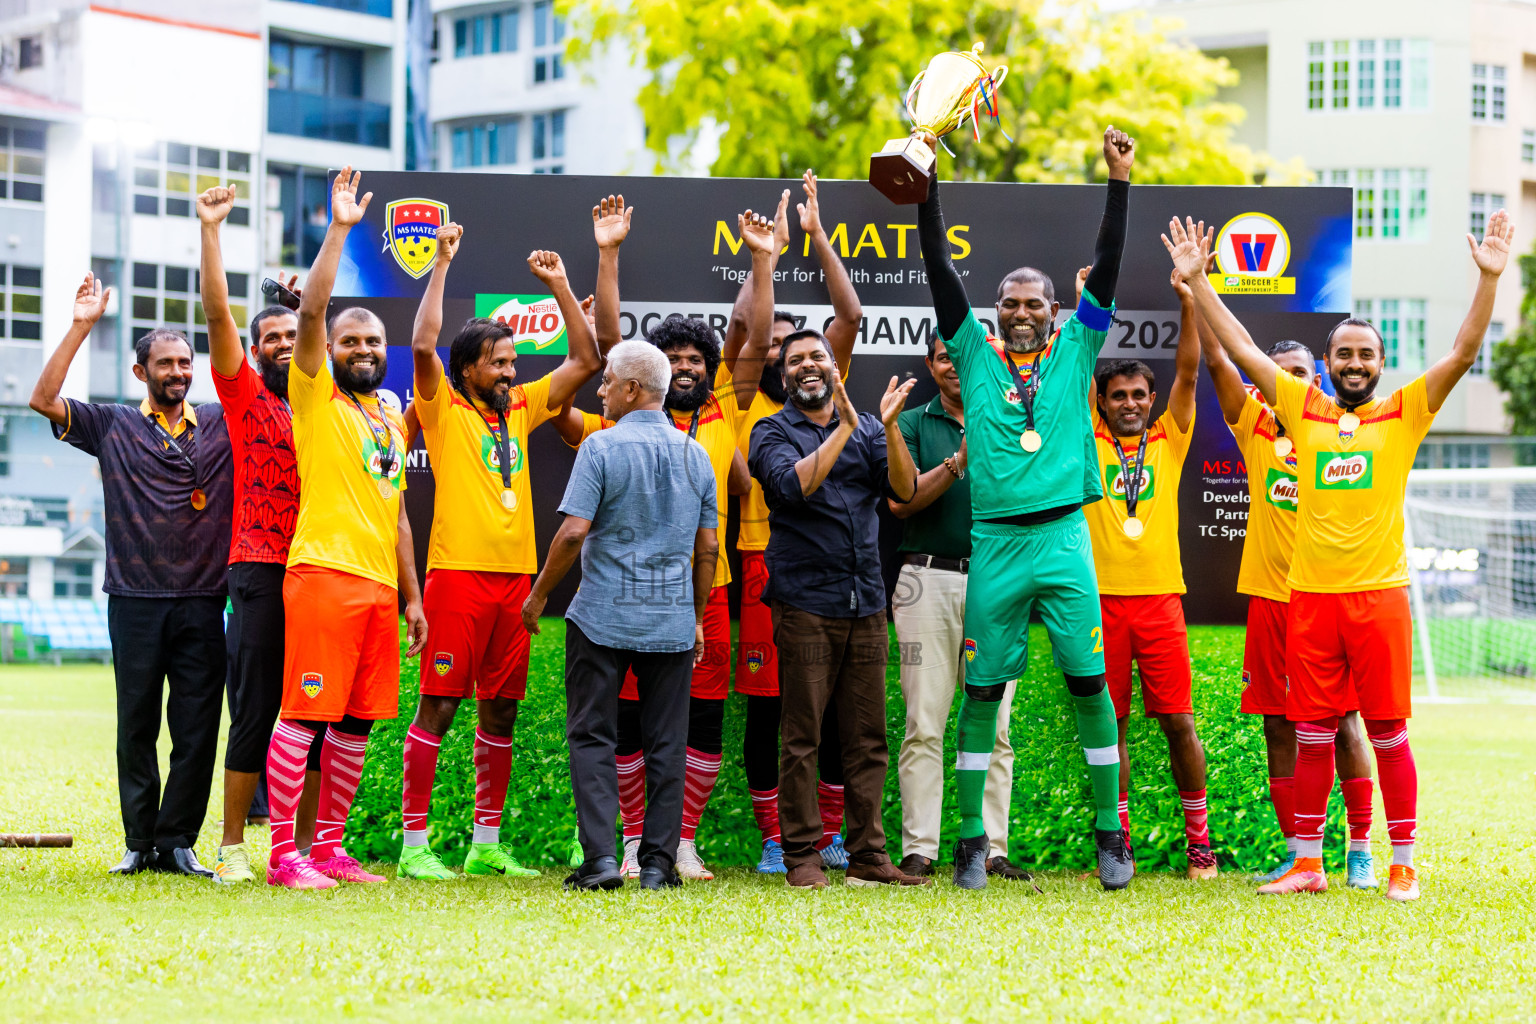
pixel 837 663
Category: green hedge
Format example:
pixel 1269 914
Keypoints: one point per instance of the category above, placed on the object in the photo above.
pixel 1051 819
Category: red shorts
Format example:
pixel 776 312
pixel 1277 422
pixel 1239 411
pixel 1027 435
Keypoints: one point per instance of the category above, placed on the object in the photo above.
pixel 711 675
pixel 757 659
pixel 1148 630
pixel 1264 657
pixel 476 643
pixel 341 653
pixel 1347 651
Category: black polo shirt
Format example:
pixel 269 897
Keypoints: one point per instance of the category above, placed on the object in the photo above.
pixel 158 545
pixel 823 554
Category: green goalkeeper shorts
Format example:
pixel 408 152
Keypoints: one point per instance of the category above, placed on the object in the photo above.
pixel 1015 569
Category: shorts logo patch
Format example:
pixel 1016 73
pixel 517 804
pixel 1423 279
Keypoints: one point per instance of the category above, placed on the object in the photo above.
pixel 1247 679
pixel 970 649
pixel 442 663
pixel 311 683
pixel 754 661
pixel 1337 471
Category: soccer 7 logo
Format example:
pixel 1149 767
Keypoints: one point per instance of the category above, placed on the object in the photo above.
pixel 1340 471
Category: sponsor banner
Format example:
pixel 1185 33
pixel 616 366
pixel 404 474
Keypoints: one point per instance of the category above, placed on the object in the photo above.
pixel 536 320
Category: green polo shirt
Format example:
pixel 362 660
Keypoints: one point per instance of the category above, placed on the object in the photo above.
pixel 943 529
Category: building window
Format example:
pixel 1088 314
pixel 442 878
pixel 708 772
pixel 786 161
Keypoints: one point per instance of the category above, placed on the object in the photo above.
pixel 1479 92
pixel 1483 205
pixel 1365 74
pixel 1365 204
pixel 1315 76
pixel 21 293
pixel 29 52
pixel 5 446
pixel 316 91
pixel 303 194
pixel 21 154
pixel 1392 74
pixel 1484 362
pixel 1528 145
pixel 1418 204
pixel 168 296
pixel 73 579
pixel 548 43
pixel 486 32
pixel 1418 74
pixel 1391 204
pixel 1488 92
pixel 549 143
pixel 1413 336
pixel 1341 74
pixel 13 577
pixel 168 177
pixel 1401 323
pixel 1373 68
pixel 485 143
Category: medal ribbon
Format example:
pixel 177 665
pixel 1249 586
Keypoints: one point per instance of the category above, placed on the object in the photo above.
pixel 169 440
pixel 1132 480
pixel 386 441
pixel 1027 391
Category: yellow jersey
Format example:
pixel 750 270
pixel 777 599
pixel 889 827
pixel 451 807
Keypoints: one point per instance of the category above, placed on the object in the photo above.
pixel 1270 540
pixel 346 521
pixel 1150 564
pixel 473 527
pixel 1349 535
pixel 752 530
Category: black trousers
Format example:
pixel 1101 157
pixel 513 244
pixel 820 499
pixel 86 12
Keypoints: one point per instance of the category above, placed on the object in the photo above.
pixel 255 649
pixel 156 640
pixel 593 675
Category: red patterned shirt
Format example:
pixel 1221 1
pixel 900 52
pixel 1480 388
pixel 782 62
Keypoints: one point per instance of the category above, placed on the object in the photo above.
pixel 266 475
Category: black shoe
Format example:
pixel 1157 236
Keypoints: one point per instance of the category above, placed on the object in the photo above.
pixel 180 861
pixel 653 877
pixel 971 862
pixel 1116 866
pixel 133 862
pixel 1005 869
pixel 600 873
pixel 917 865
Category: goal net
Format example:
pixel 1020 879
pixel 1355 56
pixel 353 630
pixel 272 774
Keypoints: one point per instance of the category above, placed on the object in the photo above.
pixel 1471 537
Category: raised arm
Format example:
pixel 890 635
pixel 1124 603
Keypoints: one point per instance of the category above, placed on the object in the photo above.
pixel 90 303
pixel 736 327
pixel 847 313
pixel 1491 257
pixel 429 315
pixel 1104 277
pixel 610 226
pixel 346 210
pixel 1186 361
pixel 1189 245
pixel 747 371
pixel 950 305
pixel 581 359
pixel 223 333
pixel 900 469
pixel 410 590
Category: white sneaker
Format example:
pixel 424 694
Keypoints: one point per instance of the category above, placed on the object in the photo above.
pixel 690 865
pixel 631 866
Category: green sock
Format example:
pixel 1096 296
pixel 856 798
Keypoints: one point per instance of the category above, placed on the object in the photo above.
pixel 977 736
pixel 1100 737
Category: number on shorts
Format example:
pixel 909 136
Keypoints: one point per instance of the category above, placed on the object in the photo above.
pixel 1098 639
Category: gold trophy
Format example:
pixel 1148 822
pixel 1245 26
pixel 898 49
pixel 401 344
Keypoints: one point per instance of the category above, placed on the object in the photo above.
pixel 954 86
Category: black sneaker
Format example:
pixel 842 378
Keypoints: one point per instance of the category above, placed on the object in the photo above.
pixel 971 862
pixel 1116 866
pixel 1007 870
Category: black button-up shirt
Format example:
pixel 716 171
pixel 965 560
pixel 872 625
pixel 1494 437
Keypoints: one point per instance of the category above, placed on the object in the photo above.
pixel 823 556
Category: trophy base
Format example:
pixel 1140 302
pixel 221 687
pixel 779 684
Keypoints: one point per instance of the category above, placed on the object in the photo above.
pixel 903 170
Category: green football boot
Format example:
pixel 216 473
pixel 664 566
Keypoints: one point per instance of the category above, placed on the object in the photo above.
pixel 494 859
pixel 421 864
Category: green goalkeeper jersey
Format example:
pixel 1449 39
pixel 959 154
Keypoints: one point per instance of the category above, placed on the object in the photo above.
pixel 1006 480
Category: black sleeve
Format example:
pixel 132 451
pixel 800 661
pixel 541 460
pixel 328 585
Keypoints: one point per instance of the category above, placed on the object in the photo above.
pixel 1110 247
pixel 949 301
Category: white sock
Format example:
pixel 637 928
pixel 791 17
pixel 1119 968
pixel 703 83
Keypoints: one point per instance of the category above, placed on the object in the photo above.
pixel 1359 846
pixel 487 834
pixel 1403 854
pixel 1309 848
pixel 1290 845
pixel 415 838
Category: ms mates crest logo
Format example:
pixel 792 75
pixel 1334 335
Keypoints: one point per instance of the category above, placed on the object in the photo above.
pixel 410 232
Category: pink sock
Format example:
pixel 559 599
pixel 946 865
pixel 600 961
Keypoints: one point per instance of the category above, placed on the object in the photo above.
pixel 1314 781
pixel 1125 812
pixel 420 769
pixel 493 768
pixel 765 808
pixel 698 783
pixel 632 793
pixel 341 769
pixel 286 757
pixel 1196 831
pixel 1357 808
pixel 1282 793
pixel 1399 784
pixel 830 796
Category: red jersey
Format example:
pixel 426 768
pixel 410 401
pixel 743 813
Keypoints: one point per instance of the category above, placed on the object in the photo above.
pixel 266 475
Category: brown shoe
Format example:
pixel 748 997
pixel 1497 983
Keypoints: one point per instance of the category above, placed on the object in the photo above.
pixel 806 876
pixel 881 874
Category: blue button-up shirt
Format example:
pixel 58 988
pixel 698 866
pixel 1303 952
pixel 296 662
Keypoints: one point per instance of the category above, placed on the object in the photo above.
pixel 823 555
pixel 648 488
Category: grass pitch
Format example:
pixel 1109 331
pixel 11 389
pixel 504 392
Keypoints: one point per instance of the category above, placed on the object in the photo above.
pixel 80 945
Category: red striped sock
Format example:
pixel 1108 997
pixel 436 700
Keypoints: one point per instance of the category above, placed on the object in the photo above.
pixel 632 793
pixel 765 808
pixel 830 796
pixel 493 769
pixel 287 755
pixel 1314 781
pixel 698 783
pixel 419 769
pixel 1282 793
pixel 1357 808
pixel 1196 830
pixel 1125 811
pixel 1399 784
pixel 341 769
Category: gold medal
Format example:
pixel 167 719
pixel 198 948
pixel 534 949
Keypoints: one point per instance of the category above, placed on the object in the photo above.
pixel 1133 528
pixel 508 499
pixel 1349 423
pixel 1283 446
pixel 386 489
pixel 1030 441
pixel 199 499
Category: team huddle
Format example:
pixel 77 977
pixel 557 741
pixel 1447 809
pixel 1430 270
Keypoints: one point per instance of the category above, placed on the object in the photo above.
pixel 1036 480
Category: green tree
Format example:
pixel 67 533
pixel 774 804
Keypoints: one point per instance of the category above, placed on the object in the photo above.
pixel 819 83
pixel 1514 358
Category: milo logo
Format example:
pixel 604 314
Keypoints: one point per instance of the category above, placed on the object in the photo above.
pixel 1011 395
pixel 490 455
pixel 535 320
pixel 1114 483
pixel 1281 490
pixel 374 456
pixel 1337 471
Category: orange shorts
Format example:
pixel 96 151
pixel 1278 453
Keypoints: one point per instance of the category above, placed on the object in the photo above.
pixel 476 642
pixel 1148 630
pixel 1264 657
pixel 757 659
pixel 711 675
pixel 1347 651
pixel 342 646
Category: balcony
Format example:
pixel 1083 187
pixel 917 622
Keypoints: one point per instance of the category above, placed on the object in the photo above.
pixel 333 118
pixel 378 8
